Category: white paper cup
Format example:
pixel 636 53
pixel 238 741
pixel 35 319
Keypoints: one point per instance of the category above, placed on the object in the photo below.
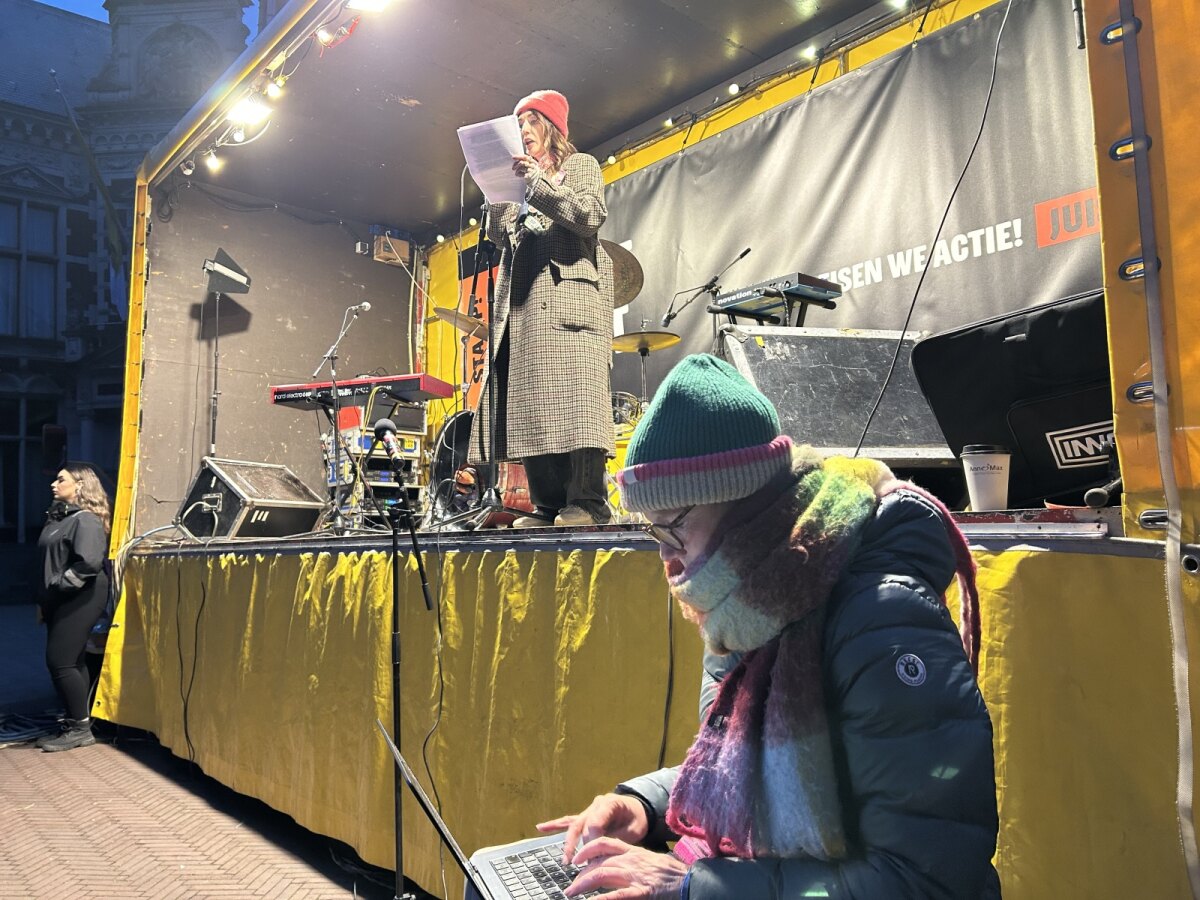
pixel 986 469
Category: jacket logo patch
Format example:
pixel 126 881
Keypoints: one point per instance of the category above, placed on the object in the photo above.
pixel 911 669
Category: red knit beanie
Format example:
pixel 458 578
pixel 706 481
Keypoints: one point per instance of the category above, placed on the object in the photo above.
pixel 550 104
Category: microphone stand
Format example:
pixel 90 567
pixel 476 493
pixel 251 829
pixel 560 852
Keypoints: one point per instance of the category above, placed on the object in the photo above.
pixel 401 509
pixel 710 286
pixel 339 521
pixel 489 500
pixel 491 496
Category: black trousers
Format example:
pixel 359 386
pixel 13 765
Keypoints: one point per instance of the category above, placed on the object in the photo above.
pixel 558 480
pixel 69 620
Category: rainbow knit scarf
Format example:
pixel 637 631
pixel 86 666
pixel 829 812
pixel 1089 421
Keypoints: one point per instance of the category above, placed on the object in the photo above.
pixel 759 779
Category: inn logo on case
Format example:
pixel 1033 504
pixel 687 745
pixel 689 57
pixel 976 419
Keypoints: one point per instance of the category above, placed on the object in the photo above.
pixel 1083 445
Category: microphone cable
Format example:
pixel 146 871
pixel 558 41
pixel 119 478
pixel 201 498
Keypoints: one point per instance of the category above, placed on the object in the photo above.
pixel 987 103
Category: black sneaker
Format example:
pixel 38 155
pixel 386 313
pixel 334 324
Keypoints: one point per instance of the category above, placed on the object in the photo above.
pixel 76 733
pixel 59 727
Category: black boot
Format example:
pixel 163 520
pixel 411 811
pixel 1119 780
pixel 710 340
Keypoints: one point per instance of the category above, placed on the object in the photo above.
pixel 77 733
pixel 59 727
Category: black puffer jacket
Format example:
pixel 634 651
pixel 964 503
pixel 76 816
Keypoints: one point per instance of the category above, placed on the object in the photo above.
pixel 73 546
pixel 912 739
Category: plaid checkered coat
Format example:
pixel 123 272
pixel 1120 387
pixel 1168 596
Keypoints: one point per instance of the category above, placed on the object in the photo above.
pixel 553 309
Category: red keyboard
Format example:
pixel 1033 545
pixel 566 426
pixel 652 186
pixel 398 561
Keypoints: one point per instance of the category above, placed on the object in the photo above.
pixel 356 391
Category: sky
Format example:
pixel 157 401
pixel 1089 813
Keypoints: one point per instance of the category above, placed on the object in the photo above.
pixel 94 9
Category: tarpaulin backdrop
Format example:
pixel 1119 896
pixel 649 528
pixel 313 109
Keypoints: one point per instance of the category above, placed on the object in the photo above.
pixel 269 669
pixel 850 182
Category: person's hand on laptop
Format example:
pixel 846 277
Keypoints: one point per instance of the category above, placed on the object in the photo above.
pixel 628 872
pixel 609 815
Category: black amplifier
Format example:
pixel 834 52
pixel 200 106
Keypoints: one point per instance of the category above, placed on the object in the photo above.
pixel 232 498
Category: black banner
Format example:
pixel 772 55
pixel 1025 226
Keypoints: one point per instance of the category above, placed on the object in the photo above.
pixel 851 181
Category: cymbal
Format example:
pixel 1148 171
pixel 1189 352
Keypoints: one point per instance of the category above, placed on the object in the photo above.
pixel 627 273
pixel 644 341
pixel 472 326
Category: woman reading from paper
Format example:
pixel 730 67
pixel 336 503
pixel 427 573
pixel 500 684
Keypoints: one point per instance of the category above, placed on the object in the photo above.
pixel 552 325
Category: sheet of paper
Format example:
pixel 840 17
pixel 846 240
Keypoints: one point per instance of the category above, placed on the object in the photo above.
pixel 489 148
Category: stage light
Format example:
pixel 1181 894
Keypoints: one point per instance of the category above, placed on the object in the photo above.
pixel 368 5
pixel 275 87
pixel 734 88
pixel 239 134
pixel 668 122
pixel 187 167
pixel 441 239
pixel 611 159
pixel 899 4
pixel 809 53
pixel 472 221
pixel 213 161
pixel 324 35
pixel 251 110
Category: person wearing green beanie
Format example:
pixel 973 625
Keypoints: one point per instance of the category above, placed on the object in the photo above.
pixel 845 750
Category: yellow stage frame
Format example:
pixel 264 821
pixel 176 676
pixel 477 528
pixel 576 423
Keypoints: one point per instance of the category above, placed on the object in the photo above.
pixel 1085 661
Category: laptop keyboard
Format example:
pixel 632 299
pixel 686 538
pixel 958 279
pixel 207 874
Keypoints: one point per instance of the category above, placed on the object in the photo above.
pixel 537 873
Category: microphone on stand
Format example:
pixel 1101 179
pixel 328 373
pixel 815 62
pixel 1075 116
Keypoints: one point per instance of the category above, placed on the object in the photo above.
pixel 365 306
pixel 710 286
pixel 385 433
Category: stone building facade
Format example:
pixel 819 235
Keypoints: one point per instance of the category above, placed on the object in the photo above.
pixel 63 294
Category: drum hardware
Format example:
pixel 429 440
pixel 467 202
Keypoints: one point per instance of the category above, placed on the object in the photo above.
pixel 627 273
pixel 643 343
pixel 457 491
pixel 472 326
pixel 627 409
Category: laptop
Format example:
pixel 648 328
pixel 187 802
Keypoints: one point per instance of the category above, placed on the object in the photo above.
pixel 531 869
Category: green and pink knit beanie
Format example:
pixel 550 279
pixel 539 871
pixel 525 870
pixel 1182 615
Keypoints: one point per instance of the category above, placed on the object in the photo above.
pixel 708 436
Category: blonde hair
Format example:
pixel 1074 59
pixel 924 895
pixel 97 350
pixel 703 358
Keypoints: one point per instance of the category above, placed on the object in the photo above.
pixel 90 493
pixel 558 148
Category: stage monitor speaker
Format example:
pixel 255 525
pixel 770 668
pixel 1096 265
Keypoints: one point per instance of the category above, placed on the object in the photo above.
pixel 824 383
pixel 232 498
pixel 1036 381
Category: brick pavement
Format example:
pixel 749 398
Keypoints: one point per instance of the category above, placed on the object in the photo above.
pixel 126 819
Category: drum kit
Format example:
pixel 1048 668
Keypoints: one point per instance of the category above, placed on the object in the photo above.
pixel 454 486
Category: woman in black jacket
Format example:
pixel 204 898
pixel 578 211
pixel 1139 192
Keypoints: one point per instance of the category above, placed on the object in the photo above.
pixel 73 592
pixel 845 750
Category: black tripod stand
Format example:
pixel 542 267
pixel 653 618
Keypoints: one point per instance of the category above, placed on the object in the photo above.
pixel 224 277
pixel 385 433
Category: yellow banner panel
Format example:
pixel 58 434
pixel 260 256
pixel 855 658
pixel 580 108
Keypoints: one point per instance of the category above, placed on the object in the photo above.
pixel 554 667
pixel 1076 671
pixel 555 674
pixel 1170 81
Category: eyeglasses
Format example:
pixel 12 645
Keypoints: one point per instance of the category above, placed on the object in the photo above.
pixel 665 534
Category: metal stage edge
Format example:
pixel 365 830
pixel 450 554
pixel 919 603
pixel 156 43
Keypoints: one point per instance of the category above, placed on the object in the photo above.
pixel 985 530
